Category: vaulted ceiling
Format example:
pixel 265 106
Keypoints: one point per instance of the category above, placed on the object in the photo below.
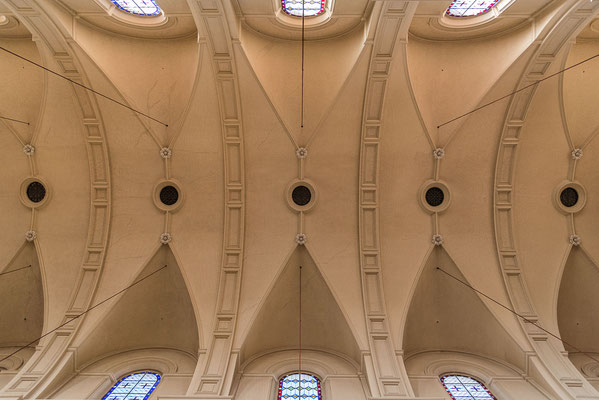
pixel 379 80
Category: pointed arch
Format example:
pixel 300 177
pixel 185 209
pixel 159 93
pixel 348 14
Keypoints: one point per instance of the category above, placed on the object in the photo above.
pixel 454 317
pixel 22 305
pixel 577 303
pixel 324 325
pixel 157 313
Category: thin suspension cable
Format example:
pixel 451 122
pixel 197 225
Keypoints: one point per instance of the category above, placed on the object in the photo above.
pixel 517 314
pixel 303 51
pixel 83 313
pixel 300 335
pixel 14 270
pixel 81 85
pixel 519 90
pixel 15 120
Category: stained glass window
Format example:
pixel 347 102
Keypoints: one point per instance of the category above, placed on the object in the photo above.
pixel 310 7
pixel 462 387
pixel 138 7
pixel 136 386
pixel 469 8
pixel 289 387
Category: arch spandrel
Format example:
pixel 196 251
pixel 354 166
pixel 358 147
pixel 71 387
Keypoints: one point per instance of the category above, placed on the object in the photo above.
pixel 276 324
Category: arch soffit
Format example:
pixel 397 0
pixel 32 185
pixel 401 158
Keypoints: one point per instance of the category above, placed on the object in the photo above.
pixel 38 21
pixel 552 41
pixel 564 24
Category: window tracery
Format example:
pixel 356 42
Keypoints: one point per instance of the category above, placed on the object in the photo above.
pixel 308 8
pixel 462 387
pixel 138 7
pixel 289 387
pixel 469 8
pixel 135 386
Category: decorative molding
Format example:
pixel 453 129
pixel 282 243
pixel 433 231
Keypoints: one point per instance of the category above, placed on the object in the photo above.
pixel 30 236
pixel 165 238
pixel 438 153
pixel 301 152
pixel 166 153
pixel 566 23
pixel 215 376
pixel 385 374
pixel 28 150
pixel 301 239
pixel 437 240
pixel 577 154
pixel 575 240
pixel 55 45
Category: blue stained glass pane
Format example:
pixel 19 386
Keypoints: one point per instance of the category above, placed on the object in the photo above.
pixel 138 7
pixel 469 8
pixel 462 387
pixel 309 8
pixel 291 387
pixel 136 386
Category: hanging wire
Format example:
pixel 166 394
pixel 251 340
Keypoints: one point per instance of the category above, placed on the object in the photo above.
pixel 15 120
pixel 82 86
pixel 517 314
pixel 300 334
pixel 303 51
pixel 519 90
pixel 14 270
pixel 83 313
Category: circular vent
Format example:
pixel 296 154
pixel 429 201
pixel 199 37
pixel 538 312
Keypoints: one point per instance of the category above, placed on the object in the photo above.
pixel 434 197
pixel 36 192
pixel 301 195
pixel 569 197
pixel 169 195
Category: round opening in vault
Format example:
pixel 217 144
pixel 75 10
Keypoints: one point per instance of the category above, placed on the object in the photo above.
pixel 169 195
pixel 36 192
pixel 434 197
pixel 301 195
pixel 569 197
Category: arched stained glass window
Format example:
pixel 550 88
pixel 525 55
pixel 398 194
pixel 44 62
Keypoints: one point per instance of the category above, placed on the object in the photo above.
pixel 462 387
pixel 311 8
pixel 289 387
pixel 469 8
pixel 138 7
pixel 136 386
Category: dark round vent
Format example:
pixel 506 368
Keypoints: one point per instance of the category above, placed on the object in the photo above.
pixel 301 195
pixel 36 191
pixel 169 195
pixel 569 197
pixel 434 197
